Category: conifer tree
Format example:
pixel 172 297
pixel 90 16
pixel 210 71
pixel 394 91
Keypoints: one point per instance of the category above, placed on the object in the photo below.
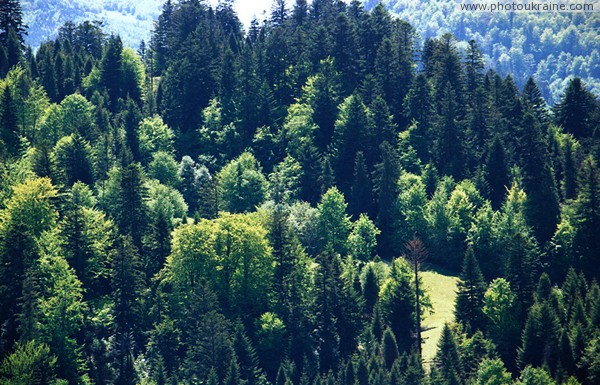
pixel 471 289
pixel 497 173
pixel 11 19
pixel 575 111
pixel 447 358
pixel 587 214
pixel 360 193
pixel 542 210
pixel 9 123
pixel 386 190
pixel 370 289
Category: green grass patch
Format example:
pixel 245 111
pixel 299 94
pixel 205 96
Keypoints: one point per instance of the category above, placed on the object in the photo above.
pixel 441 286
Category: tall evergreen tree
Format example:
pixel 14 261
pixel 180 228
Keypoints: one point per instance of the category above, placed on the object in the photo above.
pixel 360 193
pixel 471 288
pixel 542 209
pixel 386 190
pixel 11 19
pixel 575 111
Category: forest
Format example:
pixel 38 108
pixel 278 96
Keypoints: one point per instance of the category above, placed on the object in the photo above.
pixel 551 47
pixel 257 207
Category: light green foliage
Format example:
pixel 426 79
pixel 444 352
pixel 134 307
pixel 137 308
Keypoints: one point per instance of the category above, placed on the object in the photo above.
pixel 231 252
pixel 334 224
pixel 363 239
pixel 31 363
pixel 165 199
pixel 155 135
pixel 214 133
pixel 36 106
pixel 285 181
pixel 242 184
pixel 73 115
pixel 304 220
pixel 492 372
pixel 31 206
pixel 132 71
pixel 502 311
pixel 298 128
pixel 535 376
pixel 411 203
pixel 164 168
pixel 59 306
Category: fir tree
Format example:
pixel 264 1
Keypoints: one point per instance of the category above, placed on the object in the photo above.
pixel 471 288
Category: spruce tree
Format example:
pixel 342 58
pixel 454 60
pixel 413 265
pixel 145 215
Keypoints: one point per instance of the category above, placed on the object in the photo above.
pixel 9 122
pixel 370 289
pixel 386 191
pixel 575 111
pixel 11 19
pixel 587 214
pixel 447 359
pixel 471 289
pixel 360 192
pixel 542 208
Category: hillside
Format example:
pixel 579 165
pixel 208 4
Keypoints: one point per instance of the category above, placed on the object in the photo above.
pixel 551 47
pixel 246 207
pixel 132 19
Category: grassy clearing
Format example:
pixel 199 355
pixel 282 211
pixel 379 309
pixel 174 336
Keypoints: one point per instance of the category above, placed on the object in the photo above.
pixel 441 287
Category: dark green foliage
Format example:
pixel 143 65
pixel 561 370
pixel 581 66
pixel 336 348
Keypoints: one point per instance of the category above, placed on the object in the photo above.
pixel 541 209
pixel 139 275
pixel 360 193
pixel 587 214
pixel 447 359
pixel 385 187
pixel 131 214
pixel 9 130
pixel 576 109
pixel 496 173
pixel 471 288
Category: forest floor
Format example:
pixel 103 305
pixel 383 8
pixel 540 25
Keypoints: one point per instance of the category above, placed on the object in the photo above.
pixel 441 287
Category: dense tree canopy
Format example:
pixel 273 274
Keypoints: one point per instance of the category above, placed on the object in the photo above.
pixel 231 207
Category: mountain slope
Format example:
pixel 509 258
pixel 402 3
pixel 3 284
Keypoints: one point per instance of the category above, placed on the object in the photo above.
pixel 551 47
pixel 132 19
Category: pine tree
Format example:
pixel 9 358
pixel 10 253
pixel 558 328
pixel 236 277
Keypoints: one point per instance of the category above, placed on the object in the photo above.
pixel 389 349
pixel 9 123
pixel 419 109
pixel 471 288
pixel 447 358
pixel 11 19
pixel 474 65
pixel 497 173
pixel 111 70
pixel 360 192
pixel 370 289
pixel 352 129
pixel 131 215
pixel 386 191
pixel 126 283
pixel 540 338
pixel 448 147
pixel 246 356
pixel 587 214
pixel 534 102
pixel 542 209
pixel 574 112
